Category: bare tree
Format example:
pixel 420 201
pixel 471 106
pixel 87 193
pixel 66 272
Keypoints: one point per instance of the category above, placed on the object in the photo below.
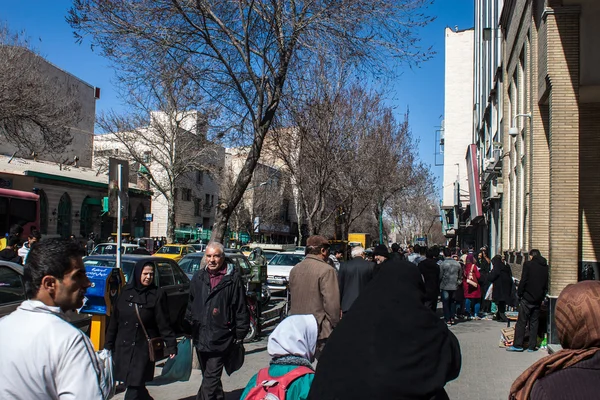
pixel 37 108
pixel 166 136
pixel 241 52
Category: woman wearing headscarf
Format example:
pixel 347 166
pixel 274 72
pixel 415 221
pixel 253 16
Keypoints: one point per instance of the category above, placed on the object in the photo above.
pixel 573 372
pixel 291 345
pixel 390 345
pixel 501 278
pixel 471 288
pixel 484 270
pixel 126 338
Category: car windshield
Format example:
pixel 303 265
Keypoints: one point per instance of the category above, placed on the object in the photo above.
pixel 169 250
pixel 286 259
pixel 269 255
pixel 190 265
pixel 126 266
pixel 105 249
pixel 198 247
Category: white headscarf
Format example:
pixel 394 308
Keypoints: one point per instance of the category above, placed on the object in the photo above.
pixel 296 335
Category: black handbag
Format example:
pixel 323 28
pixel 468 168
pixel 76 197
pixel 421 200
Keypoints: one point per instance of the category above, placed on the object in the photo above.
pixel 234 358
pixel 156 346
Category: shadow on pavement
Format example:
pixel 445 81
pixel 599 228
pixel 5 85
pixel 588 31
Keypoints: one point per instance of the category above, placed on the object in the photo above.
pixel 256 350
pixel 235 395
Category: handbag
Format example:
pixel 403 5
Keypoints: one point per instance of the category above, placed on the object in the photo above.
pixel 156 346
pixel 470 280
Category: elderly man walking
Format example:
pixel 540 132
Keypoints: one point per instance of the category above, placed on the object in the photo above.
pixel 314 289
pixel 218 317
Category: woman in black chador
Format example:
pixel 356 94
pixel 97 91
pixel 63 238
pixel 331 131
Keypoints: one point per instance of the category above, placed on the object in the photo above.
pixel 389 345
pixel 126 338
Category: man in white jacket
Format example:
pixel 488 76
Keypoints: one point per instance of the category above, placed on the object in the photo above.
pixel 42 355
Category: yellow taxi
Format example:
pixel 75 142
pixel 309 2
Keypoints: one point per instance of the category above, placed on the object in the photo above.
pixel 175 251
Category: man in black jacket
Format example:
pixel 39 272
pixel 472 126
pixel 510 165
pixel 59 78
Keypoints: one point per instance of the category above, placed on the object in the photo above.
pixel 532 291
pixel 430 271
pixel 218 317
pixel 353 277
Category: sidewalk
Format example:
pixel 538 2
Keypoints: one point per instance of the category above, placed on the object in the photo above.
pixel 487 370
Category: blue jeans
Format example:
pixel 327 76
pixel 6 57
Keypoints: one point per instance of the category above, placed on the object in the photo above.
pixel 477 303
pixel 447 302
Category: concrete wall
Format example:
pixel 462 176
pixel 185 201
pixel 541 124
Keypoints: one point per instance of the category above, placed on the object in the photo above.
pixel 458 109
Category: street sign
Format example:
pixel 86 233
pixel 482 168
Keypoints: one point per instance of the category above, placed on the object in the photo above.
pixel 148 217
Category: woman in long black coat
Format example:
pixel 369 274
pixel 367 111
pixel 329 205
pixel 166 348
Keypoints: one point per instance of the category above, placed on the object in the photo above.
pixel 125 336
pixel 501 278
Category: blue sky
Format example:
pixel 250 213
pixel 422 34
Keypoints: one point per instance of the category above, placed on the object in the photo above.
pixel 421 89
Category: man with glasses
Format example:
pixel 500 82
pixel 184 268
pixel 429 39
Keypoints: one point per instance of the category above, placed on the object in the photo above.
pixel 314 289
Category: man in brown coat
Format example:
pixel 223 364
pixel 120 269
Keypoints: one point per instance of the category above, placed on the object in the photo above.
pixel 314 289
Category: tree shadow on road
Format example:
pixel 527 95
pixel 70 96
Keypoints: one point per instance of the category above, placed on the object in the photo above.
pixel 234 395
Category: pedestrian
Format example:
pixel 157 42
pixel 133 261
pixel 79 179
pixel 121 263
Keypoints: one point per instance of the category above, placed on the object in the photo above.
pixel 44 356
pixel 471 288
pixel 430 270
pixel 459 294
pixel 141 311
pixel 390 346
pixel 34 237
pixel 353 277
pixel 314 289
pixel 333 261
pixel 380 255
pixel 501 278
pixel 395 253
pixel 449 282
pixel 90 244
pixel 15 231
pixel 532 292
pixel 484 270
pixel 217 317
pixel 292 348
pixel 571 373
pixel 10 252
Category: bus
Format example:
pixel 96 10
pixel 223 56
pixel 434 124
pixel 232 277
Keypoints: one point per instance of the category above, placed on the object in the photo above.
pixel 18 207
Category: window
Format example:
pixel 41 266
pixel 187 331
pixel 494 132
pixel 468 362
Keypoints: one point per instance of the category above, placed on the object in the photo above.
pixel 186 194
pixel 199 177
pixel 245 267
pixel 180 277
pixel 197 204
pixel 165 274
pixel 212 200
pixel 207 202
pixel 11 286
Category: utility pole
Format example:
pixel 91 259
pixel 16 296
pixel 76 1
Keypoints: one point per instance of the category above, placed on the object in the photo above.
pixel 119 212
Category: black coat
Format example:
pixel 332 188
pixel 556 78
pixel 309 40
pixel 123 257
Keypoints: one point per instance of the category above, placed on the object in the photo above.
pixel 534 280
pixel 501 277
pixel 126 338
pixel 484 271
pixel 354 275
pixel 430 270
pixel 216 317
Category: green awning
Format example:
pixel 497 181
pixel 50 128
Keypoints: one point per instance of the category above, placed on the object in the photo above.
pixel 92 201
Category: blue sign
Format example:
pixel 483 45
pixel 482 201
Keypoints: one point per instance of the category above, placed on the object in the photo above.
pixel 148 217
pixel 106 286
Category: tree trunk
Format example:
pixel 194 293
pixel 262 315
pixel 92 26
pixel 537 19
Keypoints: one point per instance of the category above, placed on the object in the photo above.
pixel 171 222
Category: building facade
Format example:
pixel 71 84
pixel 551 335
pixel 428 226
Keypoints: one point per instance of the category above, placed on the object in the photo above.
pixel 457 130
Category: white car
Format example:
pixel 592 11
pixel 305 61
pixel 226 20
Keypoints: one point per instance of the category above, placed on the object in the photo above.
pixel 111 248
pixel 279 267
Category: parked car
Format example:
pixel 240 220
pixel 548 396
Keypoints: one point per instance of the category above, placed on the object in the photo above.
pixel 175 251
pixel 199 247
pixel 269 254
pixel 169 277
pixel 111 248
pixel 12 294
pixel 190 264
pixel 278 269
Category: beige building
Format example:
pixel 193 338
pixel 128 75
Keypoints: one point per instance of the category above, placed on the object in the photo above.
pixel 196 193
pixel 551 135
pixel 458 125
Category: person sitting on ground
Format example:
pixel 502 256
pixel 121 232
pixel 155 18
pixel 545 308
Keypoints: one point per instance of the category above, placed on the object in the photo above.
pixel 291 345
pixel 390 346
pixel 571 373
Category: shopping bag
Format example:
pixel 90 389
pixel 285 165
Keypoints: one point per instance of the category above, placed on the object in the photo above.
pixel 107 383
pixel 178 368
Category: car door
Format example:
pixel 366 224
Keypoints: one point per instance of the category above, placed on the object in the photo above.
pixel 177 295
pixel 12 290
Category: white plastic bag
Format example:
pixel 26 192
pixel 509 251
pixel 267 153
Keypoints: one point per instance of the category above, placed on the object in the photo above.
pixel 107 382
pixel 488 294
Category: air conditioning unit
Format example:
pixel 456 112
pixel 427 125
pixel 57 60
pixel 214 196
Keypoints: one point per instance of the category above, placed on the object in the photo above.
pixel 496 190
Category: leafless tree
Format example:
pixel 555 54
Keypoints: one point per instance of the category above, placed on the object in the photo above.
pixel 164 133
pixel 241 52
pixel 37 108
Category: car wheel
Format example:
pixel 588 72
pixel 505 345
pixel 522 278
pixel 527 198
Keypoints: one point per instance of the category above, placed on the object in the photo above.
pixel 251 335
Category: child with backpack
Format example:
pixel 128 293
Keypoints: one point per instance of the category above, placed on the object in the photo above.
pixel 290 373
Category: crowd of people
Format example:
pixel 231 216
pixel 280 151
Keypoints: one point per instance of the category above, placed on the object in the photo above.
pixel 371 324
